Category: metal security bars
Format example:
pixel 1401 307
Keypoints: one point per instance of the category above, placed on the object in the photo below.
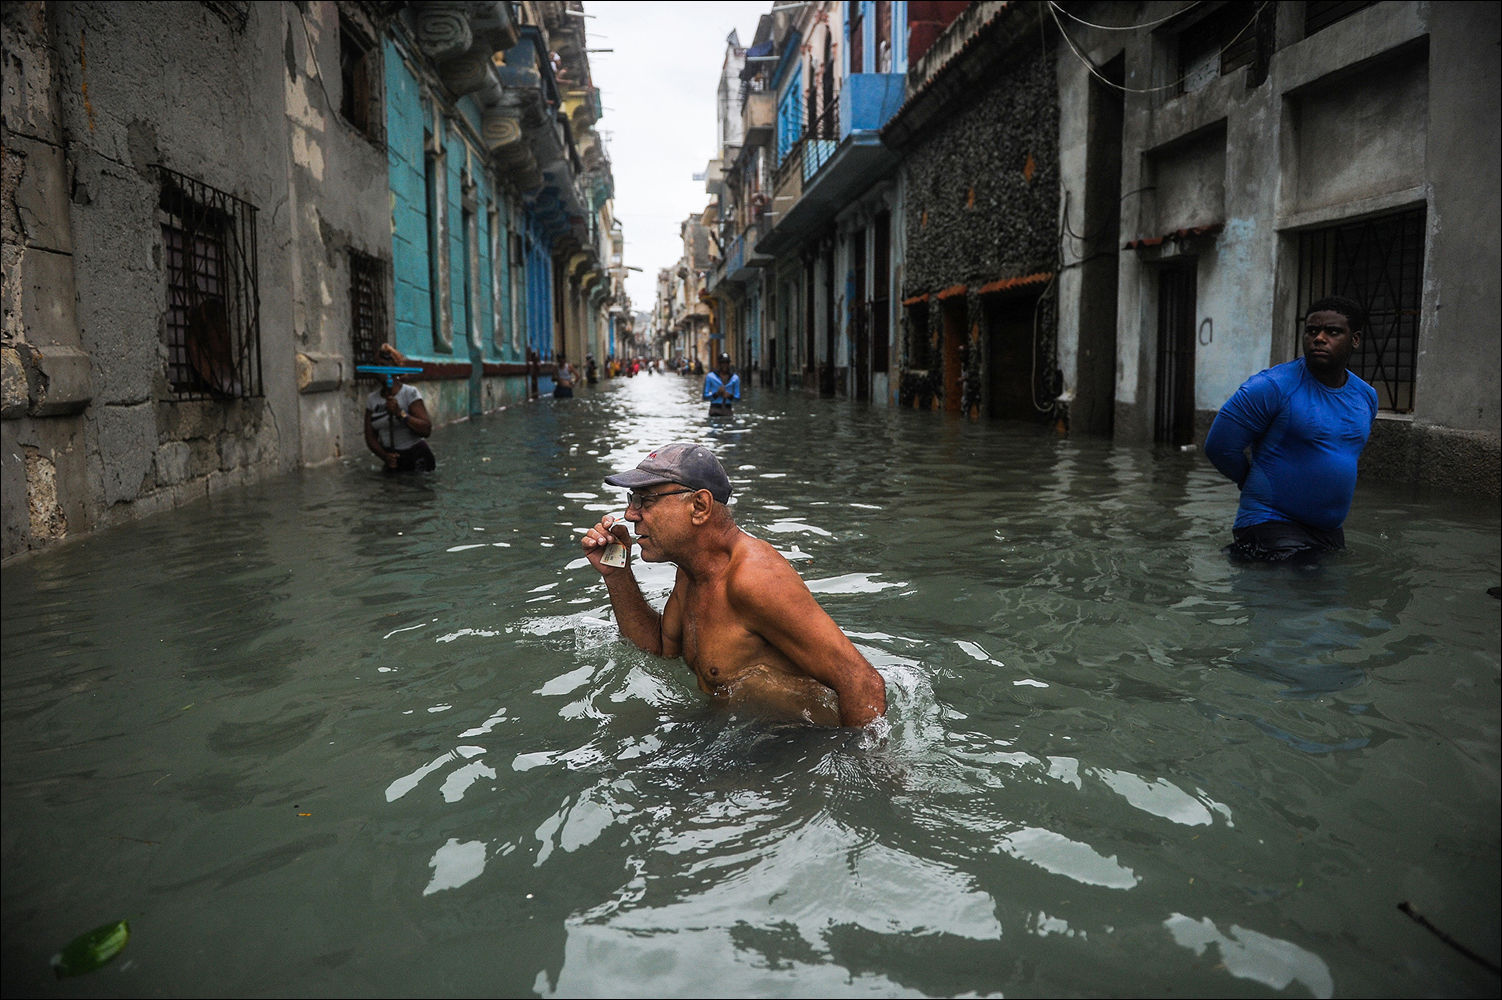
pixel 367 306
pixel 213 330
pixel 1378 262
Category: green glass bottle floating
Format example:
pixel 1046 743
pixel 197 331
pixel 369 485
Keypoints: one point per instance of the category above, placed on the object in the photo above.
pixel 91 951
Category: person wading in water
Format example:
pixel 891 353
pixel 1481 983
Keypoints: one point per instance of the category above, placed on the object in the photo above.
pixel 739 614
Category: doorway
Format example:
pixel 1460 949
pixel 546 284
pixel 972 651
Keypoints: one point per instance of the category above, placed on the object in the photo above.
pixel 860 318
pixel 954 353
pixel 1009 356
pixel 1173 421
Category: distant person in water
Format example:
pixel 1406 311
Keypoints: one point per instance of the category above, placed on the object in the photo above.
pixel 722 387
pixel 563 379
pixel 739 614
pixel 1304 423
pixel 397 421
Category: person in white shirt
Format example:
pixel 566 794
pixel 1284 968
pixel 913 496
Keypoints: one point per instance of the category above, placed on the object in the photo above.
pixel 397 421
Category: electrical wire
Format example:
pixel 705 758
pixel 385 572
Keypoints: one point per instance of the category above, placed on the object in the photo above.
pixel 313 54
pixel 1085 60
pixel 1123 27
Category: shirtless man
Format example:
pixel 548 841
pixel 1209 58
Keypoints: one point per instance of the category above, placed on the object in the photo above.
pixel 739 614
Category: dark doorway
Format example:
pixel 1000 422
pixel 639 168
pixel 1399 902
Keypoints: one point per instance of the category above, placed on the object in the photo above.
pixel 1174 414
pixel 954 354
pixel 860 318
pixel 1094 408
pixel 881 296
pixel 808 321
pixel 826 371
pixel 1009 356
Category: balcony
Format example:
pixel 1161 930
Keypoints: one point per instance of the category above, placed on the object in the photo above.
pixel 869 100
pixel 759 116
pixel 838 156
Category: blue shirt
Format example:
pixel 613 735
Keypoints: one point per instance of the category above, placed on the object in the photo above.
pixel 1305 439
pixel 712 385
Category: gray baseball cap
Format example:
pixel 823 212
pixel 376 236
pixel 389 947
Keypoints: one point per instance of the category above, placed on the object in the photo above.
pixel 682 462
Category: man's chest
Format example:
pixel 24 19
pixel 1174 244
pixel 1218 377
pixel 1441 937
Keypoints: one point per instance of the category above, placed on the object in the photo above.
pixel 714 636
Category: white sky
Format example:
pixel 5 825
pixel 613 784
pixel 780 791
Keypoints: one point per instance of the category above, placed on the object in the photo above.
pixel 658 88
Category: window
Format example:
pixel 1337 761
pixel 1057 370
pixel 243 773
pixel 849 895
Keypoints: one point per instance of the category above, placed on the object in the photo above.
pixel 1320 14
pixel 856 32
pixel 789 121
pixel 367 306
pixel 1378 262
pixel 213 329
pixel 360 76
pixel 1217 45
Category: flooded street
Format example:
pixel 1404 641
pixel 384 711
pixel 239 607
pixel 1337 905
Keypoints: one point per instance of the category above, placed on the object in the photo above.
pixel 348 734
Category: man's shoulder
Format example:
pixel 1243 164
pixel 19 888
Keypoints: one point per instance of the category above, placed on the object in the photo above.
pixel 756 565
pixel 1286 375
pixel 1363 387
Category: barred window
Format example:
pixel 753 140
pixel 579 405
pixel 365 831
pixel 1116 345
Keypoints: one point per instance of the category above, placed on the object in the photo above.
pixel 213 326
pixel 1378 262
pixel 367 306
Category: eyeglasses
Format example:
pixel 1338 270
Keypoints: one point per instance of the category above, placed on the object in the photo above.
pixel 641 501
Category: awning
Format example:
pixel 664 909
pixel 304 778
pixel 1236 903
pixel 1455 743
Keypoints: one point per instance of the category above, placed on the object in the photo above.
pixel 1148 242
pixel 1008 284
pixel 952 291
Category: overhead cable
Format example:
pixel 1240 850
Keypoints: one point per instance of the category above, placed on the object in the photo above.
pixel 1094 71
pixel 1122 27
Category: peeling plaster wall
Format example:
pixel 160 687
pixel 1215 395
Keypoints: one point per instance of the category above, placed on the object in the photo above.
pixel 96 94
pixel 337 202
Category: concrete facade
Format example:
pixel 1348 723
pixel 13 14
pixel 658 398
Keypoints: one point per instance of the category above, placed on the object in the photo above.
pixel 1227 176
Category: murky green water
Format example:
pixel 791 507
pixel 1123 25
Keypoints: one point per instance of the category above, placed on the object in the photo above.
pixel 345 735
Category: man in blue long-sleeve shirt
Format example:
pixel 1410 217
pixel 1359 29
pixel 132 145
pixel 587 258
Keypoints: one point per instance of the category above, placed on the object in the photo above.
pixel 721 387
pixel 1305 423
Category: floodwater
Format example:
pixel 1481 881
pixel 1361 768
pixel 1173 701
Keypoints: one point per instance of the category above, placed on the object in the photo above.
pixel 344 734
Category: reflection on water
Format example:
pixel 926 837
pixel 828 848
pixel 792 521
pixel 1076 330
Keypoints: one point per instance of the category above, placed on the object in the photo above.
pixel 345 733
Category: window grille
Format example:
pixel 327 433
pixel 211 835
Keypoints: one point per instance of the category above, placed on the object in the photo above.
pixel 367 298
pixel 213 326
pixel 1378 262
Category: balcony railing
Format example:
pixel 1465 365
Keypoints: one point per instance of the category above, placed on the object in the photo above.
pixel 812 149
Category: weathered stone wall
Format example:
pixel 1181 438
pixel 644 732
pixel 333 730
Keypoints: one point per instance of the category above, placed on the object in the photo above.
pixel 97 95
pixel 983 187
pixel 982 203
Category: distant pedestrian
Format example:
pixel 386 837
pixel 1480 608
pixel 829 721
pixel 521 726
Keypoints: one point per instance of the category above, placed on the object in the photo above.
pixel 1305 423
pixel 563 379
pixel 722 388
